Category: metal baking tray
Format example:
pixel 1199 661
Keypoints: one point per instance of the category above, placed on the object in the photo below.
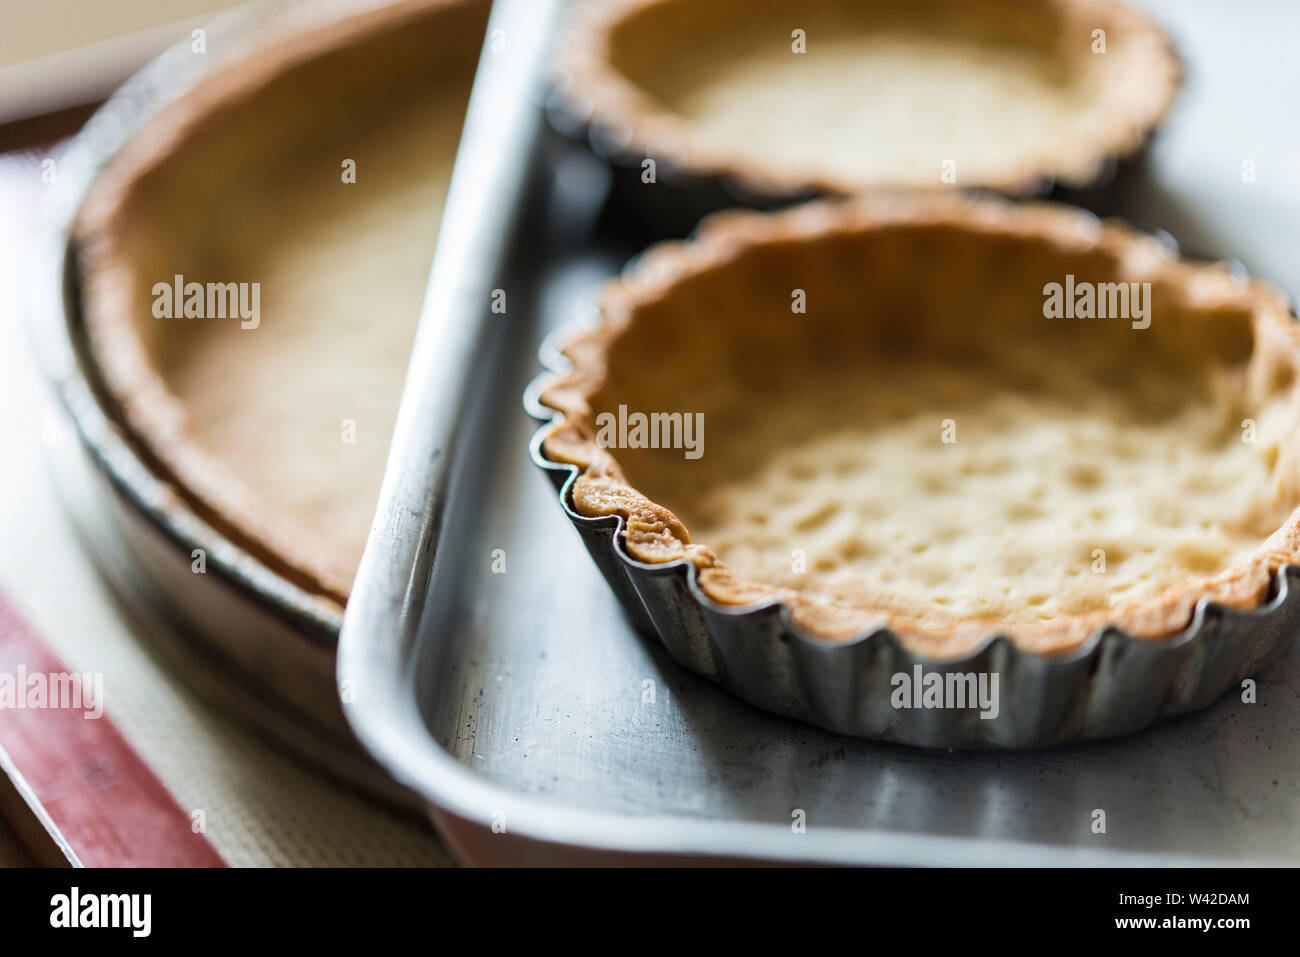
pixel 486 664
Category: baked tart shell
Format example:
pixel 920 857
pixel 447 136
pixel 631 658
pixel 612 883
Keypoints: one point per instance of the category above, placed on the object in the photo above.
pixel 1207 309
pixel 627 79
pixel 121 240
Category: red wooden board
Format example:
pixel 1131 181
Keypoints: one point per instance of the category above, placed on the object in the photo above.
pixel 101 795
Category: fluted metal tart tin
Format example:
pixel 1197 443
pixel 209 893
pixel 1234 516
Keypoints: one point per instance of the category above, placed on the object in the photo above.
pixel 1112 685
pixel 680 199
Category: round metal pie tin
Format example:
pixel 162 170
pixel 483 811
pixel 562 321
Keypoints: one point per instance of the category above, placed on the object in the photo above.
pixel 258 645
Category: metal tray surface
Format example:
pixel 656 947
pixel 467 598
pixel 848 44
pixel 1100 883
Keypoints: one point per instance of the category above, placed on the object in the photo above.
pixel 487 665
pixel 523 704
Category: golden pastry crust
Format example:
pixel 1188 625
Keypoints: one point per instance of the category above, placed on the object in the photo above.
pixel 684 290
pixel 196 158
pixel 627 67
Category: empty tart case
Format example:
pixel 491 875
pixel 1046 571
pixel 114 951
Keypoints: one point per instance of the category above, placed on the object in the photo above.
pixel 1106 682
pixel 242 626
pixel 669 94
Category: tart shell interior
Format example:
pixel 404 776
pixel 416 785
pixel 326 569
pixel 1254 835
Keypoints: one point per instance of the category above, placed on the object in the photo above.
pixel 843 95
pixel 279 432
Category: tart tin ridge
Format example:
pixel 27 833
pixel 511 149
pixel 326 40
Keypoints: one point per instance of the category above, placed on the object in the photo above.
pixel 1110 685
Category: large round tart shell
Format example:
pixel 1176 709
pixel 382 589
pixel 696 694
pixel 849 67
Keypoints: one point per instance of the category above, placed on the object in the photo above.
pixel 278 434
